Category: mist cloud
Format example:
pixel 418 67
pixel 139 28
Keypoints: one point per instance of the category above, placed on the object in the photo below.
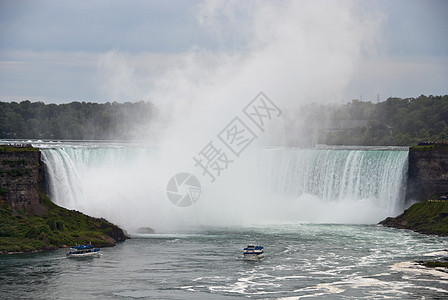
pixel 295 52
pixel 406 31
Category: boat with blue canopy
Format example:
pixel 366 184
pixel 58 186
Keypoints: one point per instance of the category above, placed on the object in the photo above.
pixel 83 251
pixel 252 252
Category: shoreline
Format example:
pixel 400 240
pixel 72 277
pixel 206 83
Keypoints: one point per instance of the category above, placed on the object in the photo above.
pixel 30 220
pixel 430 218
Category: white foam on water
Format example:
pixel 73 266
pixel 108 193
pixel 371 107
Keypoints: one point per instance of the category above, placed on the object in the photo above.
pixel 437 253
pixel 168 236
pixel 321 289
pixel 414 269
pixel 251 283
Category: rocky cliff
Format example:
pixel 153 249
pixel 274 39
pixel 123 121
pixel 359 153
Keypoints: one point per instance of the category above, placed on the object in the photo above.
pixel 428 172
pixel 30 221
pixel 429 217
pixel 428 186
pixel 20 176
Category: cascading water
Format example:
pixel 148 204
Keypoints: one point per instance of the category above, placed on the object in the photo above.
pixel 100 181
pixel 339 175
pixel 70 170
pixel 125 185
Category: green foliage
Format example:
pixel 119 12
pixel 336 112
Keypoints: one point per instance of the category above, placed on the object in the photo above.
pixel 423 148
pixel 430 147
pixel 7 230
pixel 74 121
pixel 396 121
pixel 56 228
pixel 6 148
pixel 18 244
pixel 430 217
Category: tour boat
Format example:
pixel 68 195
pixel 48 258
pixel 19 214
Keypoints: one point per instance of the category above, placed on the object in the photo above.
pixel 83 251
pixel 252 252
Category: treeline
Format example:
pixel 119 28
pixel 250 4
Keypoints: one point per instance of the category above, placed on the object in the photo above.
pixel 396 121
pixel 74 121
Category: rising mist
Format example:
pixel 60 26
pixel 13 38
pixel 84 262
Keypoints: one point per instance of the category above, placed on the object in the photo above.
pixel 296 52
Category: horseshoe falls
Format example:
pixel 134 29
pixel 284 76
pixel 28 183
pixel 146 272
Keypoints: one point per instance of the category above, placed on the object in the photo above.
pixel 127 185
pixel 342 186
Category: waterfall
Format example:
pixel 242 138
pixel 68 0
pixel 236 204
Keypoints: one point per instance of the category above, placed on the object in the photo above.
pixel 339 175
pixel 102 182
pixel 125 185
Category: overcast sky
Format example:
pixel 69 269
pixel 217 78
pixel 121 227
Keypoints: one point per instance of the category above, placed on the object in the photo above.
pixel 110 50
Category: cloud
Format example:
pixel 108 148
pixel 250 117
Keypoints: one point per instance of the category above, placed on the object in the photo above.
pixel 240 41
pixel 98 26
pixel 47 76
pixel 294 49
pixel 410 77
pixel 295 52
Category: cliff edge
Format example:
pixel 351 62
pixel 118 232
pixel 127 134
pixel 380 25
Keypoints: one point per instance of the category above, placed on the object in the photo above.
pixel 427 185
pixel 429 217
pixel 428 171
pixel 29 221
pixel 20 177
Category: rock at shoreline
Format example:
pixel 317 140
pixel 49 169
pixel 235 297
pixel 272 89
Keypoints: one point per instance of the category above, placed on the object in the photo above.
pixel 145 230
pixel 429 217
pixel 29 221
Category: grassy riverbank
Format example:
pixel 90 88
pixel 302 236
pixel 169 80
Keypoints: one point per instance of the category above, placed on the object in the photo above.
pixel 57 228
pixel 429 217
pixel 29 221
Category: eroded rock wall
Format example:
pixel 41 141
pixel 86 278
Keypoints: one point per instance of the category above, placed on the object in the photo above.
pixel 428 172
pixel 20 175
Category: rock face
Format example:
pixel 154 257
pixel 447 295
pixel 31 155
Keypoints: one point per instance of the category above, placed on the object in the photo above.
pixel 428 172
pixel 429 217
pixel 145 230
pixel 113 231
pixel 20 174
pixel 30 221
pixel 427 185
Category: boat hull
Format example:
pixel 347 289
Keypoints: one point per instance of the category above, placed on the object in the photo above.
pixel 84 255
pixel 253 256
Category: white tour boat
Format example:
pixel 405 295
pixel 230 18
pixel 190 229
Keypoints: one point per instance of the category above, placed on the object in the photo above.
pixel 83 251
pixel 252 252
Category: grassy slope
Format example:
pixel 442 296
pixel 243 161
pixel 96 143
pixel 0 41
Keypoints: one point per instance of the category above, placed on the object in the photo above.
pixel 7 148
pixel 430 217
pixel 23 231
pixel 429 147
pixel 58 227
